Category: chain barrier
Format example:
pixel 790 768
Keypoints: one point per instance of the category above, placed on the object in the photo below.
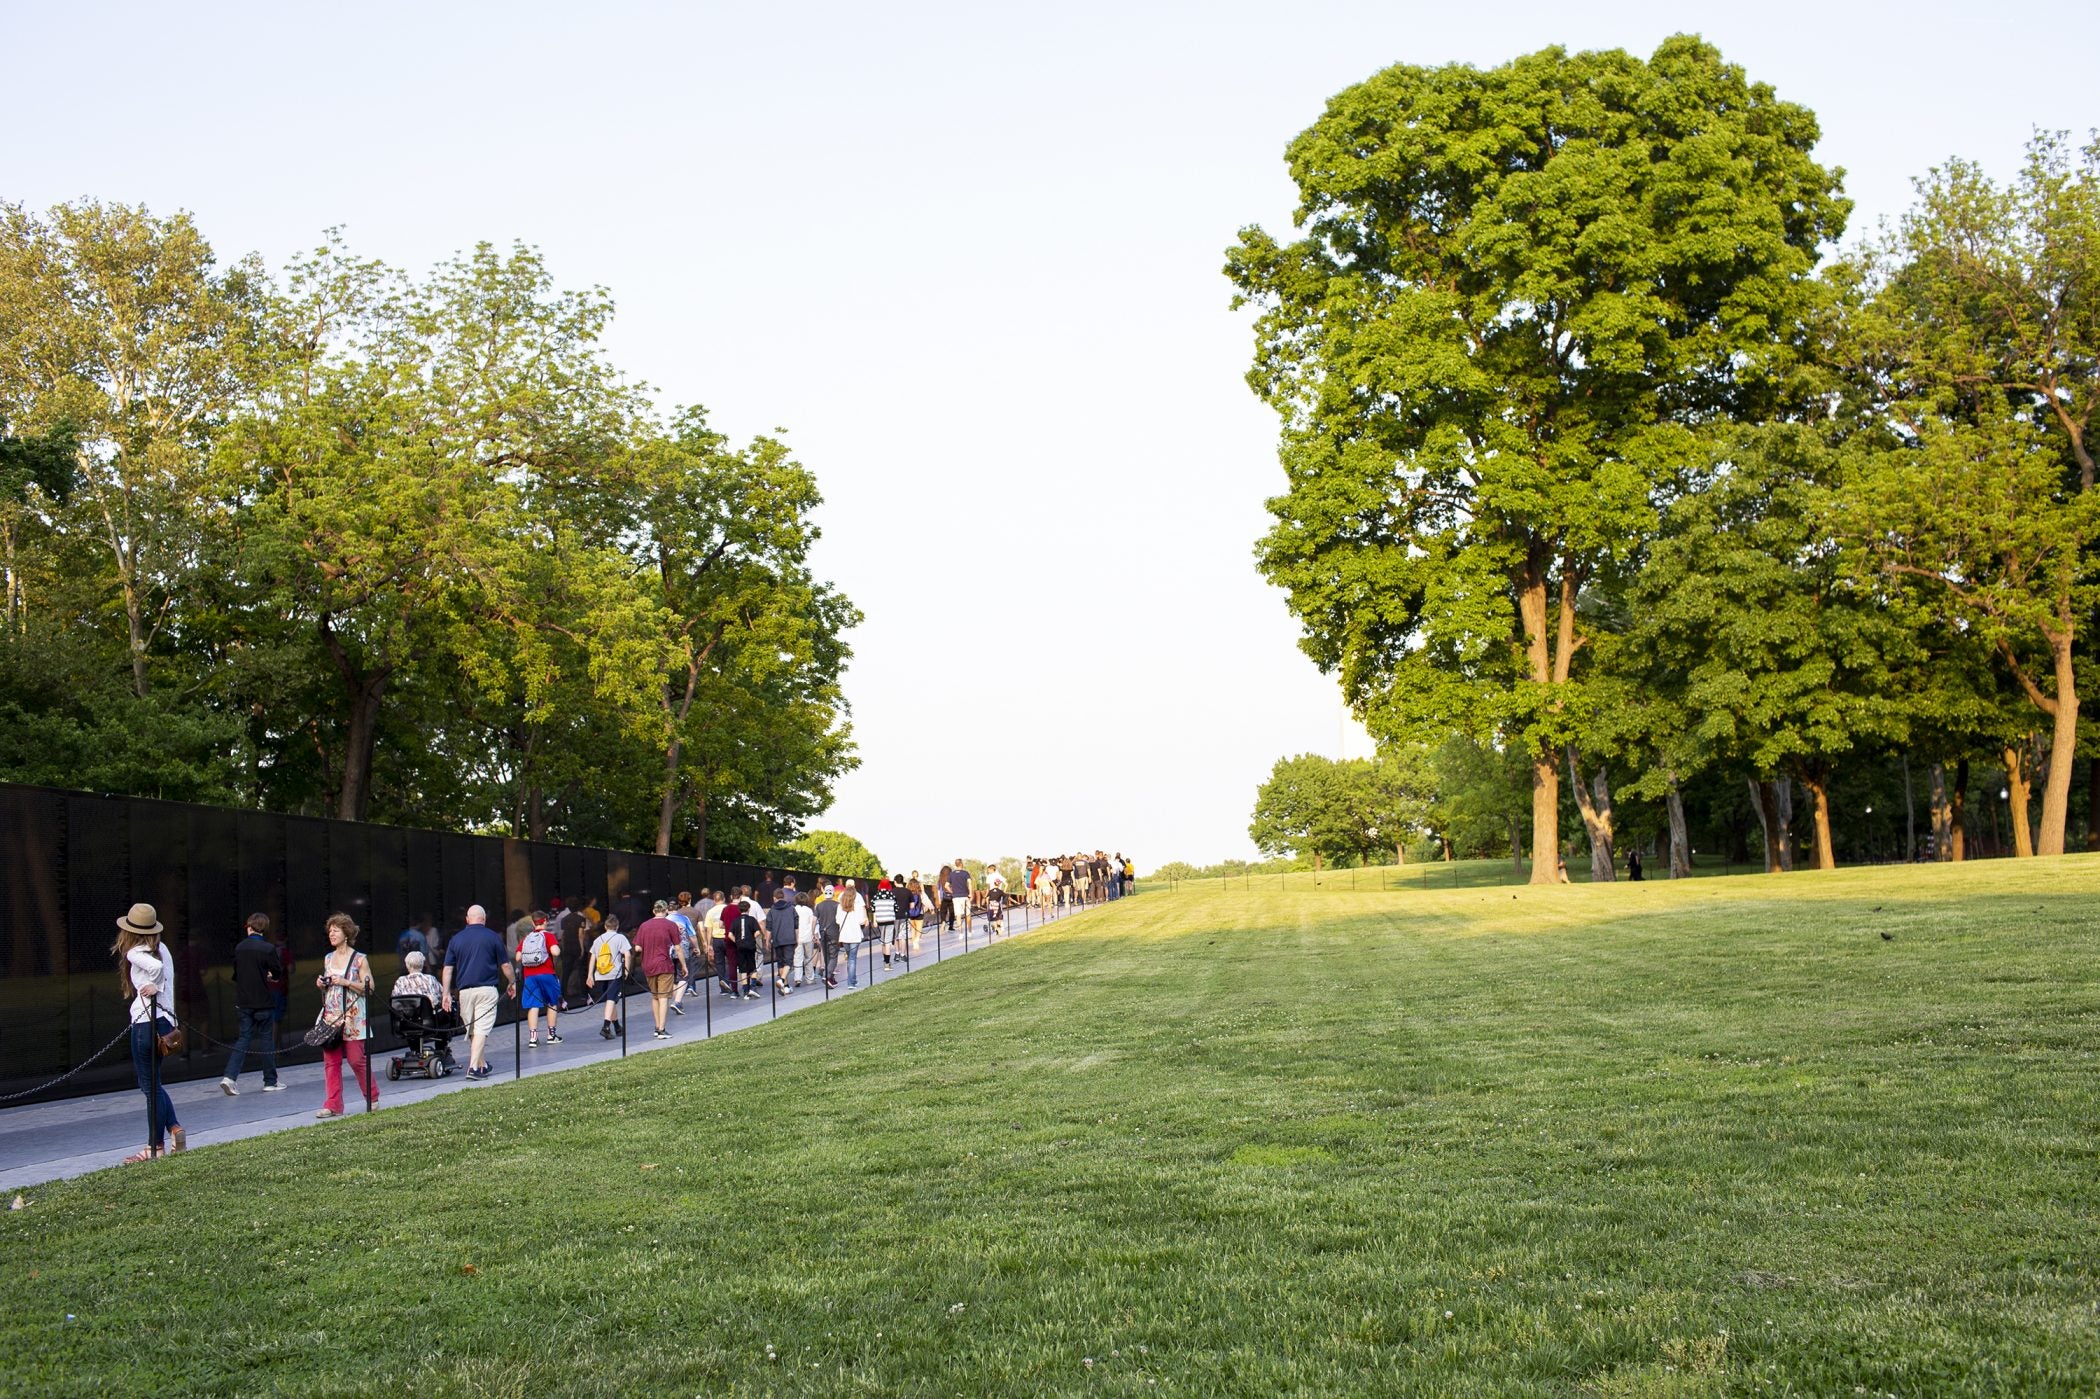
pixel 121 1036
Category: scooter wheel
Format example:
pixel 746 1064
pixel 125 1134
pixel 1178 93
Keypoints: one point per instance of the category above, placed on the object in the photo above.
pixel 393 1069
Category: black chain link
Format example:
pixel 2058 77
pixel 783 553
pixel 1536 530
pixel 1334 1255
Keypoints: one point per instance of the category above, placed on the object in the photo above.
pixel 122 1034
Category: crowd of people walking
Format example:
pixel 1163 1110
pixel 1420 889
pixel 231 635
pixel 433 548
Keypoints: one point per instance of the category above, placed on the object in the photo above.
pixel 738 943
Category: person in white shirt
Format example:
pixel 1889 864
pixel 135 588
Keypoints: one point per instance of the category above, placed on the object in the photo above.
pixel 607 961
pixel 147 970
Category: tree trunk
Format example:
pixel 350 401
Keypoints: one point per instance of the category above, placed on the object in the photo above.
pixel 1680 834
pixel 667 807
pixel 700 825
pixel 1516 846
pixel 364 688
pixel 1540 663
pixel 1819 789
pixel 1767 821
pixel 1910 816
pixel 1400 853
pixel 1783 814
pixel 2063 747
pixel 535 811
pixel 2016 787
pixel 1942 815
pixel 1596 818
pixel 1545 818
pixel 1957 807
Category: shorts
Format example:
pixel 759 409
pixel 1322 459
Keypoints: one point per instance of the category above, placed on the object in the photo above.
pixel 959 904
pixel 477 1007
pixel 661 983
pixel 605 991
pixel 541 992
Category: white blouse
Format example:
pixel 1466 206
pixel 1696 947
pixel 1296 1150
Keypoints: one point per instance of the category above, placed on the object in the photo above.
pixel 157 972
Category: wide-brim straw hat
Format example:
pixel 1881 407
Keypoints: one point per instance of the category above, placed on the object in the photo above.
pixel 142 920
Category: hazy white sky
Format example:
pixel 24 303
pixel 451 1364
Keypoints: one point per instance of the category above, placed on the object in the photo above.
pixel 968 257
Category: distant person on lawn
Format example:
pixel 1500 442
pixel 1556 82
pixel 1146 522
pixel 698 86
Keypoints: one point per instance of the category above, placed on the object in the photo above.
pixel 611 955
pixel 475 965
pixel 539 956
pixel 256 969
pixel 657 947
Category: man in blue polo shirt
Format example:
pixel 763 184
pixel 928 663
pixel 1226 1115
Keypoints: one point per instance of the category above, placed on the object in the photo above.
pixel 475 961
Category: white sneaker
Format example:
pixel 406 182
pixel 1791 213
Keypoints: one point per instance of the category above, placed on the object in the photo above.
pixel 226 1087
pixel 273 1088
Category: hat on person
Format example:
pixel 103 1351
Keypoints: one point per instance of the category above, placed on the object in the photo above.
pixel 413 961
pixel 141 920
pixel 883 885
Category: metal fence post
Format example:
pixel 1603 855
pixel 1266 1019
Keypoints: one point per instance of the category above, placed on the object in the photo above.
pixel 622 1013
pixel 517 1046
pixel 152 1073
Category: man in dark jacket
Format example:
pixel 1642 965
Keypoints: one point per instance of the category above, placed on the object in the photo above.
pixel 780 931
pixel 827 911
pixel 257 968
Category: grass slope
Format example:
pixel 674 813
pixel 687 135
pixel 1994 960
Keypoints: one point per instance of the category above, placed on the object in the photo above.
pixel 1716 1137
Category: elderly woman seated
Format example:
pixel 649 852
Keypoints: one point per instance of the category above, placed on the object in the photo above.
pixel 417 982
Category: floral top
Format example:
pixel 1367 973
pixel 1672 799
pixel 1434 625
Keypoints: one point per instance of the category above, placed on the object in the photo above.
pixel 339 1000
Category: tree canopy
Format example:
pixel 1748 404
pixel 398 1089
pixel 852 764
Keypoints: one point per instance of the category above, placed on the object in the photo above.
pixel 344 539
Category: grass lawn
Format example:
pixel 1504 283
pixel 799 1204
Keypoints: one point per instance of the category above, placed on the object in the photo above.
pixel 1712 1137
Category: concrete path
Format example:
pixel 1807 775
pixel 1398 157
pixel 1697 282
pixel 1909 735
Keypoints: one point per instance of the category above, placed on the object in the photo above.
pixel 55 1140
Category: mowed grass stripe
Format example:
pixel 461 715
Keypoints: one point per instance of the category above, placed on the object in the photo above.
pixel 1712 1137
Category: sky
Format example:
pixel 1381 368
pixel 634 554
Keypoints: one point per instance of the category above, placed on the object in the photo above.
pixel 967 258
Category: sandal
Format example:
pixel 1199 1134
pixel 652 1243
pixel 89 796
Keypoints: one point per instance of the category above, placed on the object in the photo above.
pixel 143 1154
pixel 179 1140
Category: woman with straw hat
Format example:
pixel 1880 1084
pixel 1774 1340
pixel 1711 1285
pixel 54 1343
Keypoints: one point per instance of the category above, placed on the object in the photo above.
pixel 147 970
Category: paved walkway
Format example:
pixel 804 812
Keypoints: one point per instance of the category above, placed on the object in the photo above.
pixel 52 1141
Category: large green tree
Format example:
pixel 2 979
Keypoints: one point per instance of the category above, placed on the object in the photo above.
pixel 1977 349
pixel 1520 294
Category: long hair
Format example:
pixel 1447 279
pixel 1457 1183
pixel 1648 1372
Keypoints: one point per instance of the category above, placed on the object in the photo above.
pixel 126 940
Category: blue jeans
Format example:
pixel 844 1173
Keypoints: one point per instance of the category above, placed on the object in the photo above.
pixel 255 1025
pixel 852 951
pixel 142 1053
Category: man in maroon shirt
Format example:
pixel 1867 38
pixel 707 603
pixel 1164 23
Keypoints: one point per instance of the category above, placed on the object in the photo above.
pixel 661 953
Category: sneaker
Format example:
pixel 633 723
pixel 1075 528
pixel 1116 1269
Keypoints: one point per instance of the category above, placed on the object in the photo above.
pixel 477 1074
pixel 605 1031
pixel 534 1041
pixel 273 1088
pixel 553 1039
pixel 751 995
pixel 226 1087
pixel 677 1010
pixel 324 1114
pixel 663 1034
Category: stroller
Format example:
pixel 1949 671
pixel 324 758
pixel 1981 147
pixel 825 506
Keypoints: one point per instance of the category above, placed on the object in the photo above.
pixel 428 1032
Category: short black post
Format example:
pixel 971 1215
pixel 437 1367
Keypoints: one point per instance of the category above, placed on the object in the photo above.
pixel 152 1073
pixel 773 988
pixel 517 1045
pixel 966 932
pixel 905 943
pixel 936 942
pixel 622 1013
pixel 707 1000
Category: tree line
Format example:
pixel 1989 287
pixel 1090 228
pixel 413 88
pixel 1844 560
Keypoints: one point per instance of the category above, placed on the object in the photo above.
pixel 1615 484
pixel 340 539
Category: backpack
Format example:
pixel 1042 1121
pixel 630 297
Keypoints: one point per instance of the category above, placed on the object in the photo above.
pixel 603 965
pixel 746 931
pixel 533 951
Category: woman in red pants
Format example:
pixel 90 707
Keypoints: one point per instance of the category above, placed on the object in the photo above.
pixel 345 981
